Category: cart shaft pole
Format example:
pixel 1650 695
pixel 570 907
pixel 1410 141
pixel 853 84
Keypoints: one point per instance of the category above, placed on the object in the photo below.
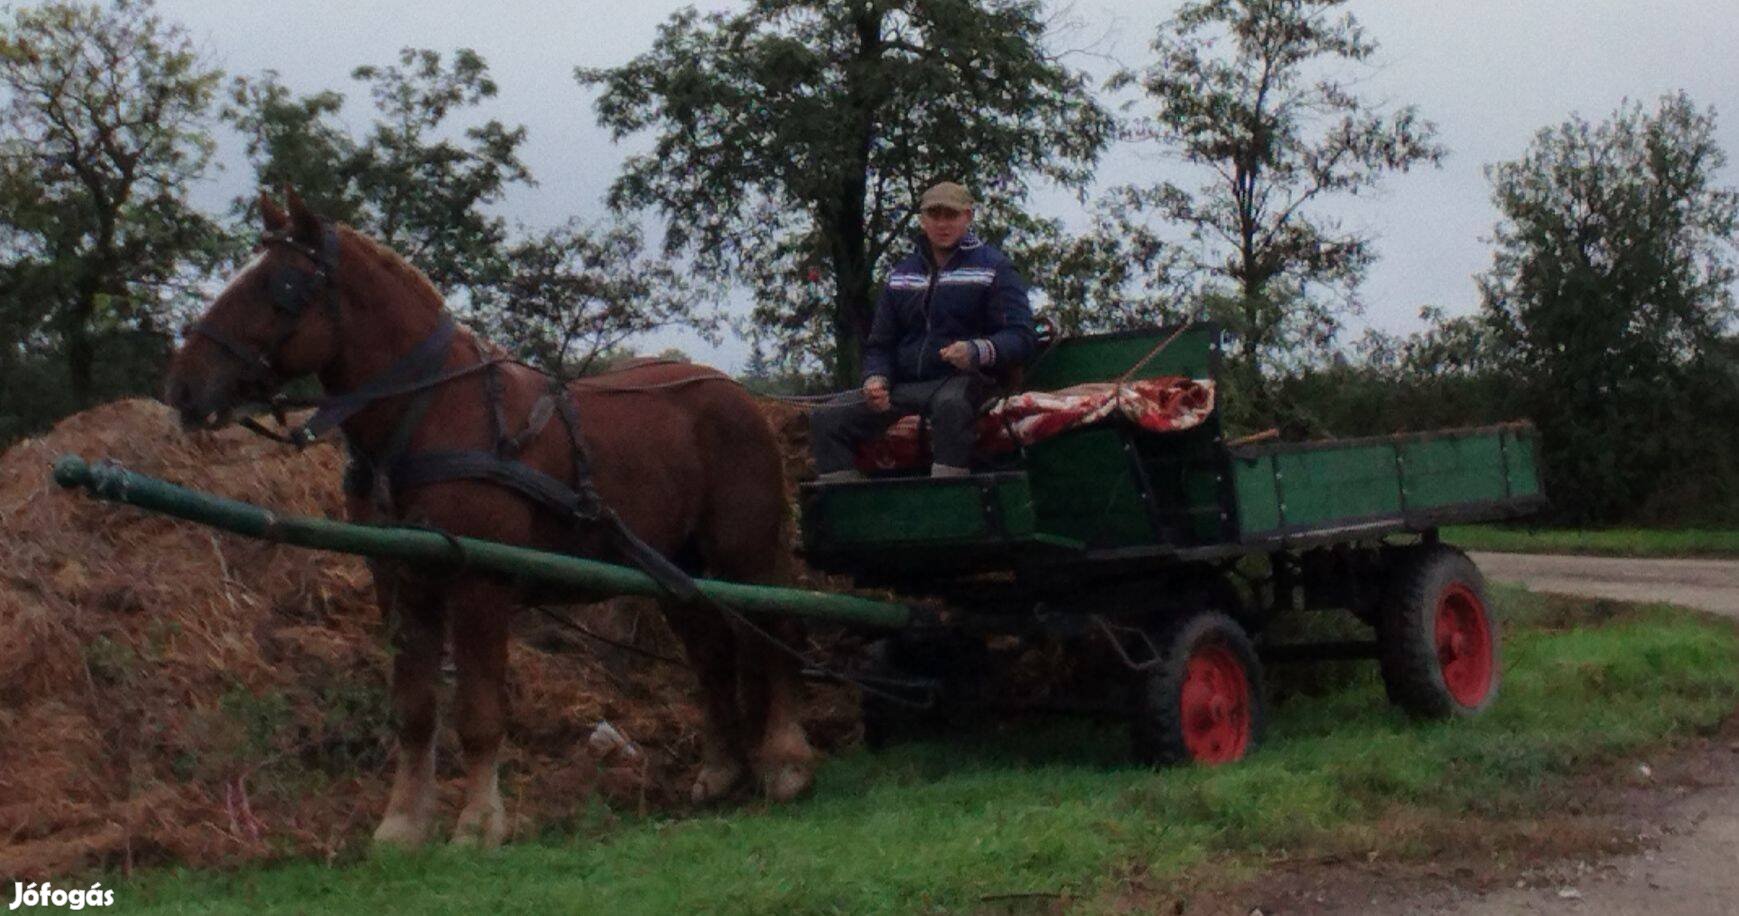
pixel 117 484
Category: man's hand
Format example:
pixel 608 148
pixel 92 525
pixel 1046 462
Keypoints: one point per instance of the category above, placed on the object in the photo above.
pixel 875 394
pixel 960 355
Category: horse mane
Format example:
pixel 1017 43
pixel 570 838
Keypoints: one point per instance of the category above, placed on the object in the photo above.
pixel 418 283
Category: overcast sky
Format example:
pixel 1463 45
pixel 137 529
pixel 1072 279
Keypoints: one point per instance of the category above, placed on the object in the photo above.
pixel 1490 73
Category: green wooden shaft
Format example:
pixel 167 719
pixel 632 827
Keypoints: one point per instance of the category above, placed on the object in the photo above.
pixel 118 484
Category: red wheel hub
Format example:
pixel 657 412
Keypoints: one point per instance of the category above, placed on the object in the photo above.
pixel 1215 706
pixel 1464 646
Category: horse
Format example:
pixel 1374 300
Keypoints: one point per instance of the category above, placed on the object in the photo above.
pixel 678 453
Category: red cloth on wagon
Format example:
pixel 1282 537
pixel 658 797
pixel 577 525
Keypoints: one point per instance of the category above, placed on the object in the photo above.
pixel 1164 404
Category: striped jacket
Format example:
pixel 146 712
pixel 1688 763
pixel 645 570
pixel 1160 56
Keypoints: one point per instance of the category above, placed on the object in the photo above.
pixel 976 297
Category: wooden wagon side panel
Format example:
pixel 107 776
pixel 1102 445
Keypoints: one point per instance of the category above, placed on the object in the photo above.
pixel 1258 495
pixel 1449 470
pixel 1323 488
pixel 1085 488
pixel 1522 463
pixel 919 513
pixel 1104 357
pixel 1406 481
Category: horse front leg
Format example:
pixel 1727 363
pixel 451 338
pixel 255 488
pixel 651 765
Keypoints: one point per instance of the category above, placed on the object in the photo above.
pixel 481 612
pixel 414 620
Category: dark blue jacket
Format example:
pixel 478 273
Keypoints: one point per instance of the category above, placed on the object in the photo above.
pixel 976 297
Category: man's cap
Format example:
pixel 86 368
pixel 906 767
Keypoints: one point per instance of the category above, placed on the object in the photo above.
pixel 945 194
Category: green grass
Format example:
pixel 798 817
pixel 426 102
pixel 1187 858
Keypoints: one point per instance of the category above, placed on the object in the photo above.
pixel 1054 808
pixel 1610 542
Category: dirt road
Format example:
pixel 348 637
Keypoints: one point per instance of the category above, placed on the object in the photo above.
pixel 1695 868
pixel 1685 828
pixel 1694 871
pixel 1687 864
pixel 1710 585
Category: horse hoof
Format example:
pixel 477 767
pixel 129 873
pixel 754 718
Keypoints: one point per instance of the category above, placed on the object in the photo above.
pixel 787 782
pixel 400 832
pixel 715 782
pixel 484 830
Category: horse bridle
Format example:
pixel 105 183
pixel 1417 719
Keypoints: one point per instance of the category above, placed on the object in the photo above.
pixel 292 289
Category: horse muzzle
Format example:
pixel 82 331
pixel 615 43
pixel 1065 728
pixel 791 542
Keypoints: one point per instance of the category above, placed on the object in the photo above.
pixel 204 406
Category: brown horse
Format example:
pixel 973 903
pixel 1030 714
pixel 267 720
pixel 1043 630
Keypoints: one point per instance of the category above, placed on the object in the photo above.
pixel 682 456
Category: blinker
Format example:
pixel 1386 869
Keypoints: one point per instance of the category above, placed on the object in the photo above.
pixel 291 288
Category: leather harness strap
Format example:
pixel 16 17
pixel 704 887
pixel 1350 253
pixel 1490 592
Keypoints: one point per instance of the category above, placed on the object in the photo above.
pixel 291 289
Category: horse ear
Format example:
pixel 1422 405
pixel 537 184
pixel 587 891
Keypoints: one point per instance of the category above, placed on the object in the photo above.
pixel 272 217
pixel 304 224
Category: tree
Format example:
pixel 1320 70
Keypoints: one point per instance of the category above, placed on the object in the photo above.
pixel 571 297
pixel 793 138
pixel 560 299
pixel 104 125
pixel 1248 90
pixel 1447 374
pixel 406 182
pixel 1611 289
pixel 1119 274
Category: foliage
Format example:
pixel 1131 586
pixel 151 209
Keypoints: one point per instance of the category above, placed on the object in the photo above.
pixel 1609 293
pixel 792 138
pixel 104 124
pixel 1119 274
pixel 1447 374
pixel 559 299
pixel 294 142
pixel 407 182
pixel 568 298
pixel 1247 91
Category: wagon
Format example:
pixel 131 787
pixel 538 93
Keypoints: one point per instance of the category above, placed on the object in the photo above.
pixel 1172 550
pixel 1177 550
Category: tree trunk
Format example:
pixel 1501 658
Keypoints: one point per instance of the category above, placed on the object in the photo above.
pixel 852 286
pixel 81 352
pixel 847 339
pixel 852 307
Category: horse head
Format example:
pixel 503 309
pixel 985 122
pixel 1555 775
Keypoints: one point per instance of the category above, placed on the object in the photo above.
pixel 276 320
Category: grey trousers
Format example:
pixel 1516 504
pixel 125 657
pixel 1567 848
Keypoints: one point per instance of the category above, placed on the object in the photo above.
pixel 951 403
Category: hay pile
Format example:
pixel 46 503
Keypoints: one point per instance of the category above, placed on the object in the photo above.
pixel 173 693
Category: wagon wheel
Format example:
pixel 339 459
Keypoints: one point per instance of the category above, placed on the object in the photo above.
pixel 1201 701
pixel 1437 641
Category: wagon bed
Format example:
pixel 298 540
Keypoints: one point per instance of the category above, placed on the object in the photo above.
pixel 1115 494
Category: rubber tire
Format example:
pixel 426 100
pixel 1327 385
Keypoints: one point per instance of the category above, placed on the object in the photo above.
pixel 1156 727
pixel 1406 633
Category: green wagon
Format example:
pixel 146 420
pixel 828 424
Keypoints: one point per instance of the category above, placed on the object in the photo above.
pixel 1178 549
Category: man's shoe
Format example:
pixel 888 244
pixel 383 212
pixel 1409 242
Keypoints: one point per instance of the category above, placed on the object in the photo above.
pixel 948 470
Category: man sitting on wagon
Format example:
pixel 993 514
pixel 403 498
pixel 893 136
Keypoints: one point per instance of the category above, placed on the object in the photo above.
pixel 952 309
